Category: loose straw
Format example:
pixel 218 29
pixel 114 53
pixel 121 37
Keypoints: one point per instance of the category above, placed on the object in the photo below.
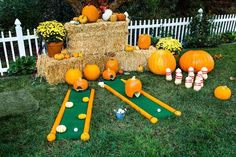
pixel 52 135
pixel 164 105
pixel 133 105
pixel 85 135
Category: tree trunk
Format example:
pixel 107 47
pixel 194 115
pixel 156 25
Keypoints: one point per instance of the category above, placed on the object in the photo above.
pixel 117 3
pixel 76 6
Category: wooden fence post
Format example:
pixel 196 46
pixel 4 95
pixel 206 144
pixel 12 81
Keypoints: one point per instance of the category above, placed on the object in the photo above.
pixel 20 40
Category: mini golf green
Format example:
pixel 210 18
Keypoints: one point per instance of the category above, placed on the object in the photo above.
pixel 142 101
pixel 70 118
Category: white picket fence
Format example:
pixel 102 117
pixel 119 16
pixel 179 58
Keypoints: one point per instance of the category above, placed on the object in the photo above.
pixel 177 27
pixel 28 44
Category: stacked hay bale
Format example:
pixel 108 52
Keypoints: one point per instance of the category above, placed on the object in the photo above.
pixel 54 70
pixel 129 61
pixel 98 41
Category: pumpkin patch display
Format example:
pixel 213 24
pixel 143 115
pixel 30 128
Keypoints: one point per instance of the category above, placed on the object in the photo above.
pixel 144 41
pixel 109 74
pixel 80 84
pixel 133 87
pixel 222 92
pixel 113 64
pixel 91 12
pixel 72 75
pixel 160 60
pixel 91 72
pixel 196 59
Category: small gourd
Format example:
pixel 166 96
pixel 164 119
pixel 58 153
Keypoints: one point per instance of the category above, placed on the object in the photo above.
pixel 129 48
pixel 109 74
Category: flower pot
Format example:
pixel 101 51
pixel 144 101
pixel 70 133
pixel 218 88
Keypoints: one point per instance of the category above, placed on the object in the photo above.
pixel 54 48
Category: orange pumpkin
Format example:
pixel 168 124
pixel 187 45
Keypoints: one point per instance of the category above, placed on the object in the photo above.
pixel 222 92
pixel 121 71
pixel 67 56
pixel 144 41
pixel 91 72
pixel 80 84
pixel 91 12
pixel 109 74
pixel 133 87
pixel 113 64
pixel 120 16
pixel 160 60
pixel 196 59
pixel 72 75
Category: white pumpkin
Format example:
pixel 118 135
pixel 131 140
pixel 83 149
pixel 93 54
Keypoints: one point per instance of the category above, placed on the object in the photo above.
pixel 61 128
pixel 107 14
pixel 69 104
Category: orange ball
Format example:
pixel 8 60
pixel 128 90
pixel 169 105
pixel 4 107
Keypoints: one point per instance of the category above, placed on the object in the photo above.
pixel 222 93
pixel 91 72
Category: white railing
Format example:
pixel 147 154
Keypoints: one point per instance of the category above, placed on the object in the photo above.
pixel 178 27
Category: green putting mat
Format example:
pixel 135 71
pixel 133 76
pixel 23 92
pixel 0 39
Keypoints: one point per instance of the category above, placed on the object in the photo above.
pixel 142 101
pixel 70 117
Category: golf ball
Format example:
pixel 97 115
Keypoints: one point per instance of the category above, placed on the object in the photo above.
pixel 75 129
pixel 158 110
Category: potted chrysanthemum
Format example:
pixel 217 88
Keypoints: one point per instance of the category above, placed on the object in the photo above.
pixel 168 43
pixel 53 33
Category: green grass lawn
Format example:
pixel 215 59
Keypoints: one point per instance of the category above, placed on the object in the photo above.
pixel 207 126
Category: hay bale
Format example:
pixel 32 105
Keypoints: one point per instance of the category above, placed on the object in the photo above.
pixel 129 61
pixel 54 70
pixel 97 38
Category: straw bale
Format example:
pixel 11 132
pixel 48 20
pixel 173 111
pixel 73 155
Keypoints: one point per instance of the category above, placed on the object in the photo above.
pixel 97 38
pixel 98 59
pixel 129 61
pixel 54 70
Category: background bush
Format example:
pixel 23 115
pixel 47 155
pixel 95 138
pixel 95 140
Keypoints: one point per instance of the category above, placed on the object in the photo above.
pixel 22 66
pixel 228 37
pixel 31 12
pixel 200 33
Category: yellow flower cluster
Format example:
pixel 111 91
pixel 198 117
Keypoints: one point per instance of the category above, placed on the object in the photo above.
pixel 168 43
pixel 51 31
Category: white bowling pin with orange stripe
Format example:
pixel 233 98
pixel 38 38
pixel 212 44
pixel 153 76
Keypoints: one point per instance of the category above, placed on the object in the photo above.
pixel 168 74
pixel 204 73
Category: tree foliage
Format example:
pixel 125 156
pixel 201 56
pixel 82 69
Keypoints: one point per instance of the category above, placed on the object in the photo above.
pixel 31 12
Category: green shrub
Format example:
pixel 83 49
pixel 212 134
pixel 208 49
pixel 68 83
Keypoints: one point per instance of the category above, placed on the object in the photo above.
pixel 200 33
pixel 22 66
pixel 228 37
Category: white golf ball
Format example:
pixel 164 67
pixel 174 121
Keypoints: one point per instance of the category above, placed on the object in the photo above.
pixel 158 110
pixel 75 129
